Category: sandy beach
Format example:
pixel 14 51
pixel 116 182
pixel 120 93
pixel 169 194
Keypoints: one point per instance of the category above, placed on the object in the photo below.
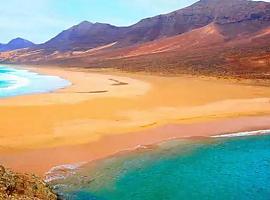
pixel 108 111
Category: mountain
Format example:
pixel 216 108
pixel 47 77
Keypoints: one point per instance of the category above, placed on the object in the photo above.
pixel 234 17
pixel 14 44
pixel 85 35
pixel 210 36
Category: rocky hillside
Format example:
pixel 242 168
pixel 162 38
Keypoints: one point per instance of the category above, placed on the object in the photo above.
pixel 14 186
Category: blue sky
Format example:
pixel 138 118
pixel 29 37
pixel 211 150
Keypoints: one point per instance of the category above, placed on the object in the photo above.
pixel 40 20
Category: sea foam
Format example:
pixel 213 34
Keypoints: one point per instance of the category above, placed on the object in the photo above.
pixel 62 171
pixel 17 82
pixel 23 82
pixel 243 134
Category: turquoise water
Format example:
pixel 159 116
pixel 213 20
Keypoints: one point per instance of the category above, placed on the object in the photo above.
pixel 236 168
pixel 14 82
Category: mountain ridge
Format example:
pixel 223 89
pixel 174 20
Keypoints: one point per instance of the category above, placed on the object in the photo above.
pixel 87 35
pixel 14 44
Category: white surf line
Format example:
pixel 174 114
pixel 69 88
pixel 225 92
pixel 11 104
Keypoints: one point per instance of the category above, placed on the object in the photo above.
pixel 243 134
pixel 19 82
pixel 62 171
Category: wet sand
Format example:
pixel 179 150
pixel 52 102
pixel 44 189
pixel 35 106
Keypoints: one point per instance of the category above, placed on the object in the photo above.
pixel 106 111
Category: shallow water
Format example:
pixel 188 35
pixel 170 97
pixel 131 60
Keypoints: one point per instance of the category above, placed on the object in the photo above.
pixel 14 82
pixel 231 168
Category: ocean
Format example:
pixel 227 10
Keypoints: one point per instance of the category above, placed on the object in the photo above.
pixel 15 82
pixel 210 169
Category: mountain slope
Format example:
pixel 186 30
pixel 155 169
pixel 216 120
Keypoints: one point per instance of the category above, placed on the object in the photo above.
pixel 201 38
pixel 14 44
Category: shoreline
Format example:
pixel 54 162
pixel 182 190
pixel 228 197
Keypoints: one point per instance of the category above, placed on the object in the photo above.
pixel 136 110
pixel 27 82
pixel 63 171
pixel 40 161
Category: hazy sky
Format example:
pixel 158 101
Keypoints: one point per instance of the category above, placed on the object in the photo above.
pixel 40 20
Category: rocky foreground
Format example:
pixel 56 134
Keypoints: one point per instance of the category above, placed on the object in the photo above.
pixel 14 186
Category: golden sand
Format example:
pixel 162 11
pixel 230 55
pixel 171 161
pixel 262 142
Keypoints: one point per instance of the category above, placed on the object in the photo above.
pixel 107 111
